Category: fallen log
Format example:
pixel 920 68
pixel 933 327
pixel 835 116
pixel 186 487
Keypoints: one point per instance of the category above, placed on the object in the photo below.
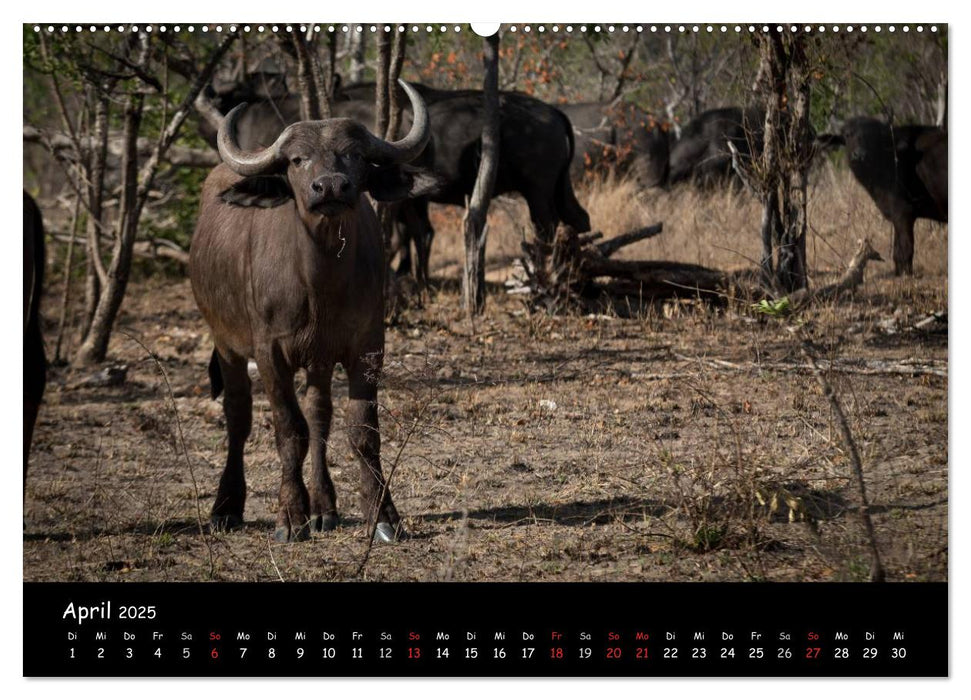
pixel 578 271
pixel 611 246
pixel 851 279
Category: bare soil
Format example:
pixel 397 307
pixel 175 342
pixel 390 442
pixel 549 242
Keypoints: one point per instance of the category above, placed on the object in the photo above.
pixel 672 442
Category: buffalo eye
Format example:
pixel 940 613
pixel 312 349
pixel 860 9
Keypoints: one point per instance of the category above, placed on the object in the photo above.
pixel 296 160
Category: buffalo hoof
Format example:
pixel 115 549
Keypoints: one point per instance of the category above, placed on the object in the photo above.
pixel 286 534
pixel 387 533
pixel 225 523
pixel 325 522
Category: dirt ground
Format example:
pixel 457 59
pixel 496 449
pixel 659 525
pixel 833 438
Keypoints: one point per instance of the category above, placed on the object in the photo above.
pixel 682 443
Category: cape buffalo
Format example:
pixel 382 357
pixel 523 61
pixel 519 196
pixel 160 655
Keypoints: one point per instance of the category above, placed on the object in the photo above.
pixel 904 170
pixel 287 267
pixel 619 136
pixel 35 362
pixel 701 154
pixel 535 150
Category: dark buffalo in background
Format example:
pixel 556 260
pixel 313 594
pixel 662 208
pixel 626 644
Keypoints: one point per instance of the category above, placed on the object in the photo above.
pixel 35 362
pixel 701 155
pixel 619 136
pixel 932 168
pixel 536 149
pixel 904 170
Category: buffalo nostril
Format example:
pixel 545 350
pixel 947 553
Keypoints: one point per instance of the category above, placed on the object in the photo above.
pixel 345 186
pixel 317 187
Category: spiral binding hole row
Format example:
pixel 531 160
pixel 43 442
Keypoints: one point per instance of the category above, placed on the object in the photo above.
pixel 524 28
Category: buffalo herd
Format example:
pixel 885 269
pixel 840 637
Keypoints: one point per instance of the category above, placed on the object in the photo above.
pixel 544 149
pixel 287 261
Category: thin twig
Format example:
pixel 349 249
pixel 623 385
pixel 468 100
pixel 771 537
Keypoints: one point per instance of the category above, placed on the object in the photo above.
pixel 203 531
pixel 877 573
pixel 387 485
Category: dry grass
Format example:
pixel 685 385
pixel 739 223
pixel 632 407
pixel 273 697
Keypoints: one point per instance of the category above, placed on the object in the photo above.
pixel 717 229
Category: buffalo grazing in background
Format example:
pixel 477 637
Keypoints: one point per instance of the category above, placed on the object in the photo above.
pixel 904 170
pixel 702 156
pixel 287 267
pixel 620 136
pixel 35 362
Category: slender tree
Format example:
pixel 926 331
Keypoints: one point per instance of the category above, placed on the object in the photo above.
pixel 131 71
pixel 473 281
pixel 780 175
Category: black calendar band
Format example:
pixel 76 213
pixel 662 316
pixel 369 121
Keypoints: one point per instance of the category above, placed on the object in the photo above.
pixel 485 629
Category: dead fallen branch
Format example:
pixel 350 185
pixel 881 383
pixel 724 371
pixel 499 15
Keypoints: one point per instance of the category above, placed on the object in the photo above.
pixel 911 367
pixel 147 249
pixel 577 271
pixel 612 245
pixel 847 284
pixel 573 268
pixel 63 147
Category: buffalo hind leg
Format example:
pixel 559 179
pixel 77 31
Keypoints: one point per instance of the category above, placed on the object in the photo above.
pixel 365 440
pixel 422 234
pixel 903 245
pixel 323 499
pixel 292 441
pixel 543 216
pixel 227 511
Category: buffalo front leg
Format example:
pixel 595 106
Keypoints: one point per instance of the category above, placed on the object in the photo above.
pixel 323 499
pixel 365 440
pixel 35 376
pixel 292 440
pixel 227 511
pixel 903 245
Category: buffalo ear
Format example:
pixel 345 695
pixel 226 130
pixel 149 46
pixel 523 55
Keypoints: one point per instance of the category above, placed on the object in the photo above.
pixel 396 182
pixel 263 191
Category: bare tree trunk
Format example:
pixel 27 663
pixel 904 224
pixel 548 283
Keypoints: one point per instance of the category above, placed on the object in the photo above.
pixel 781 175
pixel 391 55
pixel 473 281
pixel 309 101
pixel 394 72
pixel 357 48
pixel 322 83
pixel 792 273
pixel 95 345
pixel 135 187
pixel 333 80
pixel 96 274
pixel 68 265
pixel 381 84
pixel 941 116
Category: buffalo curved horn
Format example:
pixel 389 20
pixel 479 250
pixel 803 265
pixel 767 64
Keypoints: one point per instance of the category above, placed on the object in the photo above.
pixel 411 146
pixel 243 162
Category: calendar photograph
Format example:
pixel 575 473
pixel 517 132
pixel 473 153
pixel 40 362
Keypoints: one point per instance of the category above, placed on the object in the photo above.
pixel 565 303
